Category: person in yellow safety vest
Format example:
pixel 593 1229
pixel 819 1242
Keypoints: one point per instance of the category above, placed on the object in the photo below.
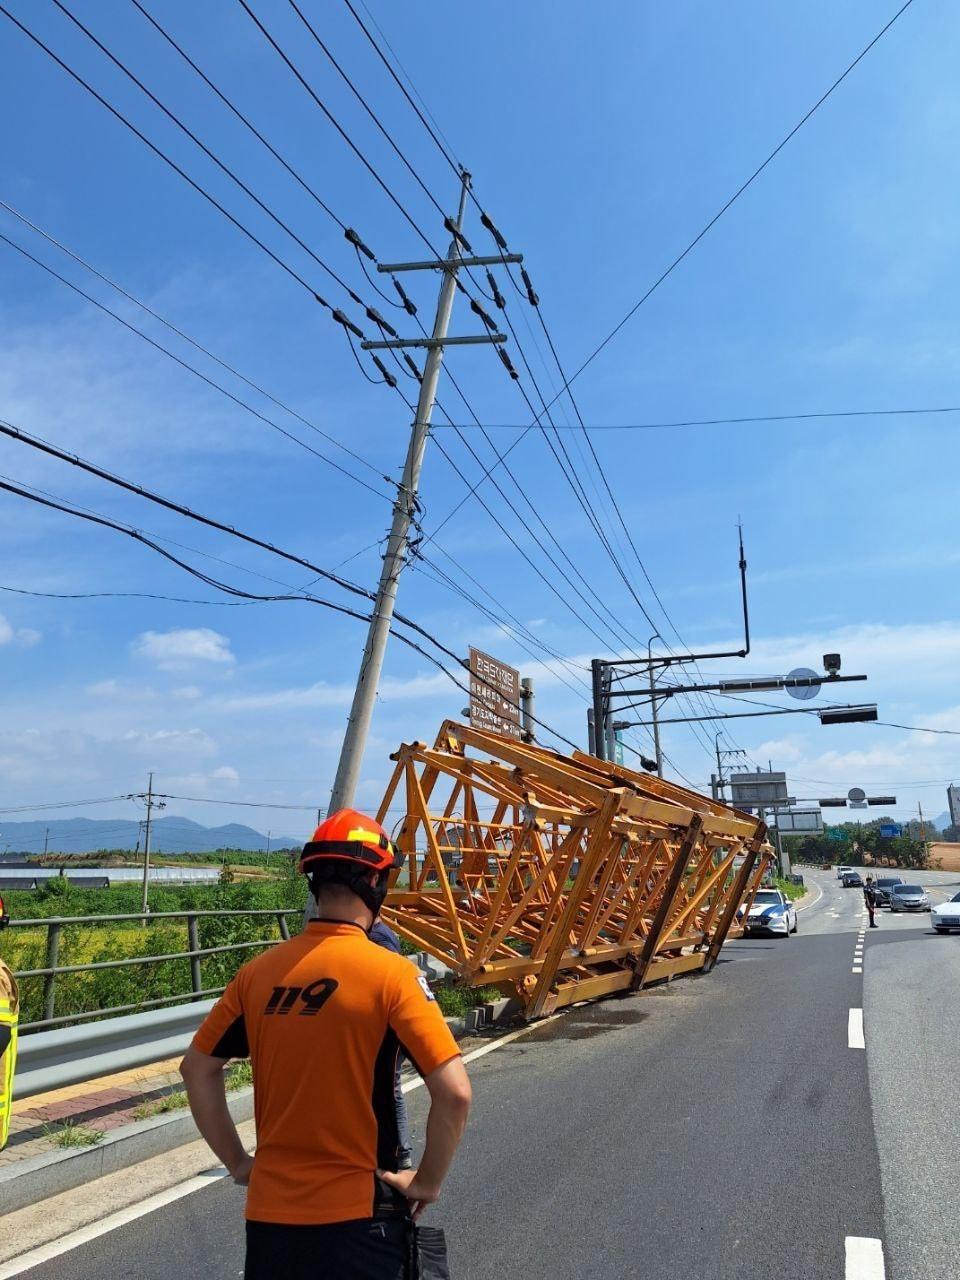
pixel 9 1009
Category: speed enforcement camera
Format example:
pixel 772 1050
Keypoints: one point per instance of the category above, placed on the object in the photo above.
pixel 831 663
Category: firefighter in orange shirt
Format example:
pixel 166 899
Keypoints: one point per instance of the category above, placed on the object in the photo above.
pixel 323 1018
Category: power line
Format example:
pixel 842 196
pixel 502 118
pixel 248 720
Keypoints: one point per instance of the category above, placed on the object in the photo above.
pixel 369 110
pixel 285 266
pixel 298 177
pixel 180 334
pixel 566 466
pixel 242 804
pixel 185 364
pixel 447 154
pixel 210 154
pixel 716 422
pixel 124 595
pixel 138 536
pixel 812 711
pixel 734 198
pixel 62 804
pixel 336 124
pixel 353 238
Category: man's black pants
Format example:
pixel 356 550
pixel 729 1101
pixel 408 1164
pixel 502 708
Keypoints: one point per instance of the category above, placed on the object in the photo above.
pixel 365 1249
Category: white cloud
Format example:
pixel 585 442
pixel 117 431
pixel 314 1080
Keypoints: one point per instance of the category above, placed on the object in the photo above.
pixel 340 695
pixel 183 647
pixel 226 773
pixel 26 637
pixel 169 742
pixel 188 692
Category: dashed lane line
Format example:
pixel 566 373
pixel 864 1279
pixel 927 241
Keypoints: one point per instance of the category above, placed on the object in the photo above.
pixel 864 1259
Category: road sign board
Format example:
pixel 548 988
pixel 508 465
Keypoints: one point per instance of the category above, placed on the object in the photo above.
pixel 803 692
pixel 890 829
pixel 494 694
pixel 835 834
pixel 856 795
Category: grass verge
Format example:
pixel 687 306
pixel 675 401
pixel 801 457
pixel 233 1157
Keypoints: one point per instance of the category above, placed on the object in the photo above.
pixel 71 1134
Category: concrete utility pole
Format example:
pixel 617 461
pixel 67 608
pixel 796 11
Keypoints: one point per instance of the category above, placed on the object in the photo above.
pixel 653 705
pixel 527 704
pixel 368 680
pixel 146 845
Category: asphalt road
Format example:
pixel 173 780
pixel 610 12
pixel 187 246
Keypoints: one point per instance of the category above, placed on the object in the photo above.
pixel 717 1127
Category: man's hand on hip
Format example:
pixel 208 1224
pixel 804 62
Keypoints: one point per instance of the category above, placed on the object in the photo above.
pixel 418 1194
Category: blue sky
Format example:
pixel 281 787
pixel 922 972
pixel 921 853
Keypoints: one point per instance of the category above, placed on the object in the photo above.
pixel 601 139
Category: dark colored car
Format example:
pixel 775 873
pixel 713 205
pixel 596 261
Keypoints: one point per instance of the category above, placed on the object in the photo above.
pixel 851 880
pixel 882 887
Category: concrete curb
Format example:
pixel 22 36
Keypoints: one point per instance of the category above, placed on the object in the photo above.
pixel 47 1175
pixel 31 1181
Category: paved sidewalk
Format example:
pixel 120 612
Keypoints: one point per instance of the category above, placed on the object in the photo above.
pixel 80 1114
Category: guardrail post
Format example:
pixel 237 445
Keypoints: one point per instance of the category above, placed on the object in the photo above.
pixel 193 944
pixel 284 927
pixel 50 979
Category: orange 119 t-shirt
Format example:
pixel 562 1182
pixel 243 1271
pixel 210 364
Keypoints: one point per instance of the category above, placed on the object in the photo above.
pixel 323 1018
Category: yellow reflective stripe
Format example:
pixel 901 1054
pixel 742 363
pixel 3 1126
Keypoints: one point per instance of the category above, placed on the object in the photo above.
pixel 8 1062
pixel 358 833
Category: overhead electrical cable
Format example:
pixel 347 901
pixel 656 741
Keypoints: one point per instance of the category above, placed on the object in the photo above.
pixel 744 186
pixel 447 154
pixel 123 595
pixel 129 531
pixel 205 351
pixel 285 266
pixel 192 369
pixel 362 251
pixel 719 422
pixel 137 535
pixel 211 155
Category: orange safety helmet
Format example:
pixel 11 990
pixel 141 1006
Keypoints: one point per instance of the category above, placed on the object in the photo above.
pixel 349 836
pixel 344 850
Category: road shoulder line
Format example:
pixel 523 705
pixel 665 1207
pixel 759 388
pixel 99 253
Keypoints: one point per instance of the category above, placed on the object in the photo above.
pixel 864 1258
pixel 56 1248
pixel 855 1039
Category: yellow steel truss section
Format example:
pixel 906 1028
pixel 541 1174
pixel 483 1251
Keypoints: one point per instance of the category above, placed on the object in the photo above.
pixel 561 878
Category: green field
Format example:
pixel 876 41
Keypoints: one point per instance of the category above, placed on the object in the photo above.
pixel 93 942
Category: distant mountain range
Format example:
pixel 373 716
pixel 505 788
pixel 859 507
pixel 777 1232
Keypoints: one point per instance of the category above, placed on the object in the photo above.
pixel 168 835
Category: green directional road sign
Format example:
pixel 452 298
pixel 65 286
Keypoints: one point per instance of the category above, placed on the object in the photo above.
pixel 835 834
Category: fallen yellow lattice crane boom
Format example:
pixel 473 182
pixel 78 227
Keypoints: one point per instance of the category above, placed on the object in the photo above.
pixel 562 878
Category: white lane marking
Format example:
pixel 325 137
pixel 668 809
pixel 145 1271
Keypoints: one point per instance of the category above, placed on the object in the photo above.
pixel 864 1259
pixel 46 1252
pixel 855 1038
pixel 857 969
pixel 56 1248
pixel 802 906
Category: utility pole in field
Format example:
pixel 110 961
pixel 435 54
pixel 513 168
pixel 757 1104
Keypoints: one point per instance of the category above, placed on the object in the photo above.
pixel 404 507
pixel 146 845
pixel 46 840
pixel 152 803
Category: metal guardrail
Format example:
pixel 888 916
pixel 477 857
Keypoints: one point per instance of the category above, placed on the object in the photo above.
pixel 73 1055
pixel 52 969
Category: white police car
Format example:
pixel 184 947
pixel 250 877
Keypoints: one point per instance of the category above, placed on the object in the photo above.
pixel 771 912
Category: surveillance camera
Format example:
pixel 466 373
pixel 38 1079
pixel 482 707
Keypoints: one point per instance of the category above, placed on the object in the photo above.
pixel 831 663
